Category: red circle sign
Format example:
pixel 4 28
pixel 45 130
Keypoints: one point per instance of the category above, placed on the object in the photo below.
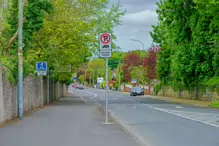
pixel 105 38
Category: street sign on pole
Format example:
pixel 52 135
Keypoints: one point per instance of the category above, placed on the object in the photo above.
pixel 41 68
pixel 134 81
pixel 105 45
pixel 106 52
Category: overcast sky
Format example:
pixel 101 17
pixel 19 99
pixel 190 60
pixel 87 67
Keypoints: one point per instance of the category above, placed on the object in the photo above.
pixel 136 23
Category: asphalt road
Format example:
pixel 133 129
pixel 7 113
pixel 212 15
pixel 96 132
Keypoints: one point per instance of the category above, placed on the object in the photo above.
pixel 69 122
pixel 160 123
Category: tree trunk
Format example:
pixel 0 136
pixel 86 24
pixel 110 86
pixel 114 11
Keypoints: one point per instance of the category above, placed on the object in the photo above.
pixel 149 87
pixel 196 92
pixel 163 88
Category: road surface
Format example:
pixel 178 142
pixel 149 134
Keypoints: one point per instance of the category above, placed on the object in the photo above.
pixel 70 122
pixel 159 123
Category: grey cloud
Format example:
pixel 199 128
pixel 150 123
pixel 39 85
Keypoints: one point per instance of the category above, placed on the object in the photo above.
pixel 144 18
pixel 136 23
pixel 137 5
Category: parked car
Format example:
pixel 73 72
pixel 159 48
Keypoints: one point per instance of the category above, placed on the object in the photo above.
pixel 80 87
pixel 137 91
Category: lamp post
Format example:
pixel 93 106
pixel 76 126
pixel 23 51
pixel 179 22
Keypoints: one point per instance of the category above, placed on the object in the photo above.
pixel 20 61
pixel 139 42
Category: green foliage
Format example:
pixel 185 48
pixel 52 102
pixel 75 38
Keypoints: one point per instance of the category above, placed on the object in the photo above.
pixel 58 32
pixel 116 59
pixel 34 14
pixel 213 84
pixel 97 67
pixel 214 104
pixel 139 73
pixel 157 88
pixel 188 33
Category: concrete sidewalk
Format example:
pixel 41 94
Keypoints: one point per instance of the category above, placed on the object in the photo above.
pixel 68 123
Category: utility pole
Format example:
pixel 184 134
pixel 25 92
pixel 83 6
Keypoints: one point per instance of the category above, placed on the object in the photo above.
pixel 20 62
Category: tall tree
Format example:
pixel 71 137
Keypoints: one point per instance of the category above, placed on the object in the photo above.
pixel 138 73
pixel 131 60
pixel 116 59
pixel 185 31
pixel 150 65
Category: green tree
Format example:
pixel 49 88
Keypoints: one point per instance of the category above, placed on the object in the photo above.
pixel 138 73
pixel 116 59
pixel 97 67
pixel 185 31
pixel 32 10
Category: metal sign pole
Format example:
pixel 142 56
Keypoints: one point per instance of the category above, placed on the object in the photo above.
pixel 48 87
pixel 20 62
pixel 106 90
pixel 53 89
pixel 106 52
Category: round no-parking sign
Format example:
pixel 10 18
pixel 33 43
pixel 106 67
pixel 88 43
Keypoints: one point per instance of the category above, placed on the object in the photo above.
pixel 105 45
pixel 105 38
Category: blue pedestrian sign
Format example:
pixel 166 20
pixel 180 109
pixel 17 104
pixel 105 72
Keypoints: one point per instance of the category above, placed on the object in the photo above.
pixel 41 68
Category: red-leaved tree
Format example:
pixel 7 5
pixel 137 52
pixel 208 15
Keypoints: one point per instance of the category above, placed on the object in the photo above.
pixel 150 64
pixel 131 60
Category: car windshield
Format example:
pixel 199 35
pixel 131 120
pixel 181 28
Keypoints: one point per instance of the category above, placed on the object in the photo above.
pixel 137 89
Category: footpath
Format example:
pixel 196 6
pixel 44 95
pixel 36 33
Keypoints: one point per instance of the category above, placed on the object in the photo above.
pixel 69 122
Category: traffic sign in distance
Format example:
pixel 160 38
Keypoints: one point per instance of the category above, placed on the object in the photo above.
pixel 41 68
pixel 105 45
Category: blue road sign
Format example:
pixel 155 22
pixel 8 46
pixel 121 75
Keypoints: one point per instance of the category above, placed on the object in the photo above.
pixel 41 66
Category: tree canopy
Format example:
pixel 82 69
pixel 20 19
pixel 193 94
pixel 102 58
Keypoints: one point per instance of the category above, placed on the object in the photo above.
pixel 188 32
pixel 56 31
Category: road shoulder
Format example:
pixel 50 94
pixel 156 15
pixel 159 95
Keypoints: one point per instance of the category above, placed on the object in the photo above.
pixel 197 103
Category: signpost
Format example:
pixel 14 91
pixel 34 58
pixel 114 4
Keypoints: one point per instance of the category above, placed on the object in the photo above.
pixel 105 45
pixel 41 68
pixel 134 81
pixel 106 52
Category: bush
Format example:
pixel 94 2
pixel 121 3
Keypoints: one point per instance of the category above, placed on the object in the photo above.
pixel 157 88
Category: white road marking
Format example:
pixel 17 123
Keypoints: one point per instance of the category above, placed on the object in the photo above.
pixel 197 113
pixel 172 113
pixel 179 107
pixel 186 117
pixel 159 109
pixel 92 98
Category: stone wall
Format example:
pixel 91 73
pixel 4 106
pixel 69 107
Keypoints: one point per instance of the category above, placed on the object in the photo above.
pixel 35 94
pixel 207 96
pixel 7 96
pixel 1 97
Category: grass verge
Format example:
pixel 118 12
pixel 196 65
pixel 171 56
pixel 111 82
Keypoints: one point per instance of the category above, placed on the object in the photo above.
pixel 214 104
